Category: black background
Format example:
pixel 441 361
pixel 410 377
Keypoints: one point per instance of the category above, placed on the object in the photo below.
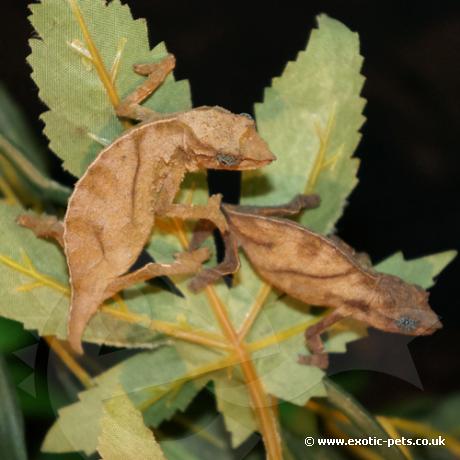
pixel 408 193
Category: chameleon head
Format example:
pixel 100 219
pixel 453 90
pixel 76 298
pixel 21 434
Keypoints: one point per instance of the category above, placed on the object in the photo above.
pixel 220 139
pixel 406 308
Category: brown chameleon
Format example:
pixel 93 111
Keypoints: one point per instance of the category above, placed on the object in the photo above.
pixel 317 270
pixel 112 210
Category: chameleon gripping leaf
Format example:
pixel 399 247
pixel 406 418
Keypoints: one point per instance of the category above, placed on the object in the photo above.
pixel 112 210
pixel 321 271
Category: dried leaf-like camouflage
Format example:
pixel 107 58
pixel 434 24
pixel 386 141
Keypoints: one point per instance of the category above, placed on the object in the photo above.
pixel 112 210
pixel 319 271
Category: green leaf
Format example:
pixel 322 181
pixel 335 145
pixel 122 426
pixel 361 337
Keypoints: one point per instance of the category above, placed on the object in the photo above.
pixel 161 382
pixel 204 439
pixel 445 414
pixel 153 383
pixel 11 423
pixel 26 179
pixel 12 336
pixel 297 423
pixel 430 417
pixel 175 450
pixel 123 433
pixel 421 271
pixel 79 424
pixel 310 118
pixel 22 160
pixel 166 380
pixel 70 84
pixel 16 130
pixel 234 404
pixel 283 320
pixel 359 416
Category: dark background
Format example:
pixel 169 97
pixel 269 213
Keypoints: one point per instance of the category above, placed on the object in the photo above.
pixel 408 193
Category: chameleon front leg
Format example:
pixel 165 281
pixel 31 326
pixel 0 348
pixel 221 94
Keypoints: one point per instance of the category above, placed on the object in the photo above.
pixel 230 264
pixel 211 212
pixel 318 357
pixel 186 263
pixel 298 204
pixel 43 226
pixel 130 106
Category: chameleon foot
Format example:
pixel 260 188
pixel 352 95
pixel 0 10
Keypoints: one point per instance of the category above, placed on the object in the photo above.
pixel 320 360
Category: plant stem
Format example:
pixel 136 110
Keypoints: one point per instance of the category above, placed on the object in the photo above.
pixel 420 429
pixel 361 452
pixel 95 55
pixel 222 363
pixel 8 192
pixel 282 335
pixel 360 417
pixel 199 337
pixel 393 432
pixel 254 310
pixel 260 399
pixel 96 58
pixel 320 158
pixel 66 357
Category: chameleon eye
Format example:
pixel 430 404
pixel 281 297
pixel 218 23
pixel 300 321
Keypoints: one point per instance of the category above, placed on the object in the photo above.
pixel 406 324
pixel 226 159
pixel 247 115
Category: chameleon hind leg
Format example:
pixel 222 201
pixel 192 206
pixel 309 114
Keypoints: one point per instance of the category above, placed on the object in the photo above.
pixel 318 357
pixel 186 263
pixel 156 74
pixel 231 262
pixel 43 226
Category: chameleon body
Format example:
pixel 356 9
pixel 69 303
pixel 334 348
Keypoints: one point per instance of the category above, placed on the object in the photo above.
pixel 112 210
pixel 321 271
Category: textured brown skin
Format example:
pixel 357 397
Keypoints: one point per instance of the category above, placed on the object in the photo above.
pixel 317 270
pixel 320 271
pixel 112 211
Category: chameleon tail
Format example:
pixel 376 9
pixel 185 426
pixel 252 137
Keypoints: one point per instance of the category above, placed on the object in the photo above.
pixel 82 309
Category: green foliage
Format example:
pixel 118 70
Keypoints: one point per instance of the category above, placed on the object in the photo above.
pixel 123 433
pixel 429 417
pixel 22 161
pixel 147 378
pixel 156 376
pixel 15 128
pixel 310 117
pixel 202 437
pixel 11 422
pixel 70 82
pixel 421 271
pixel 445 416
pixel 363 421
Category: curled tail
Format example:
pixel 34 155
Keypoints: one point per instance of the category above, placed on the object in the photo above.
pixel 82 309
